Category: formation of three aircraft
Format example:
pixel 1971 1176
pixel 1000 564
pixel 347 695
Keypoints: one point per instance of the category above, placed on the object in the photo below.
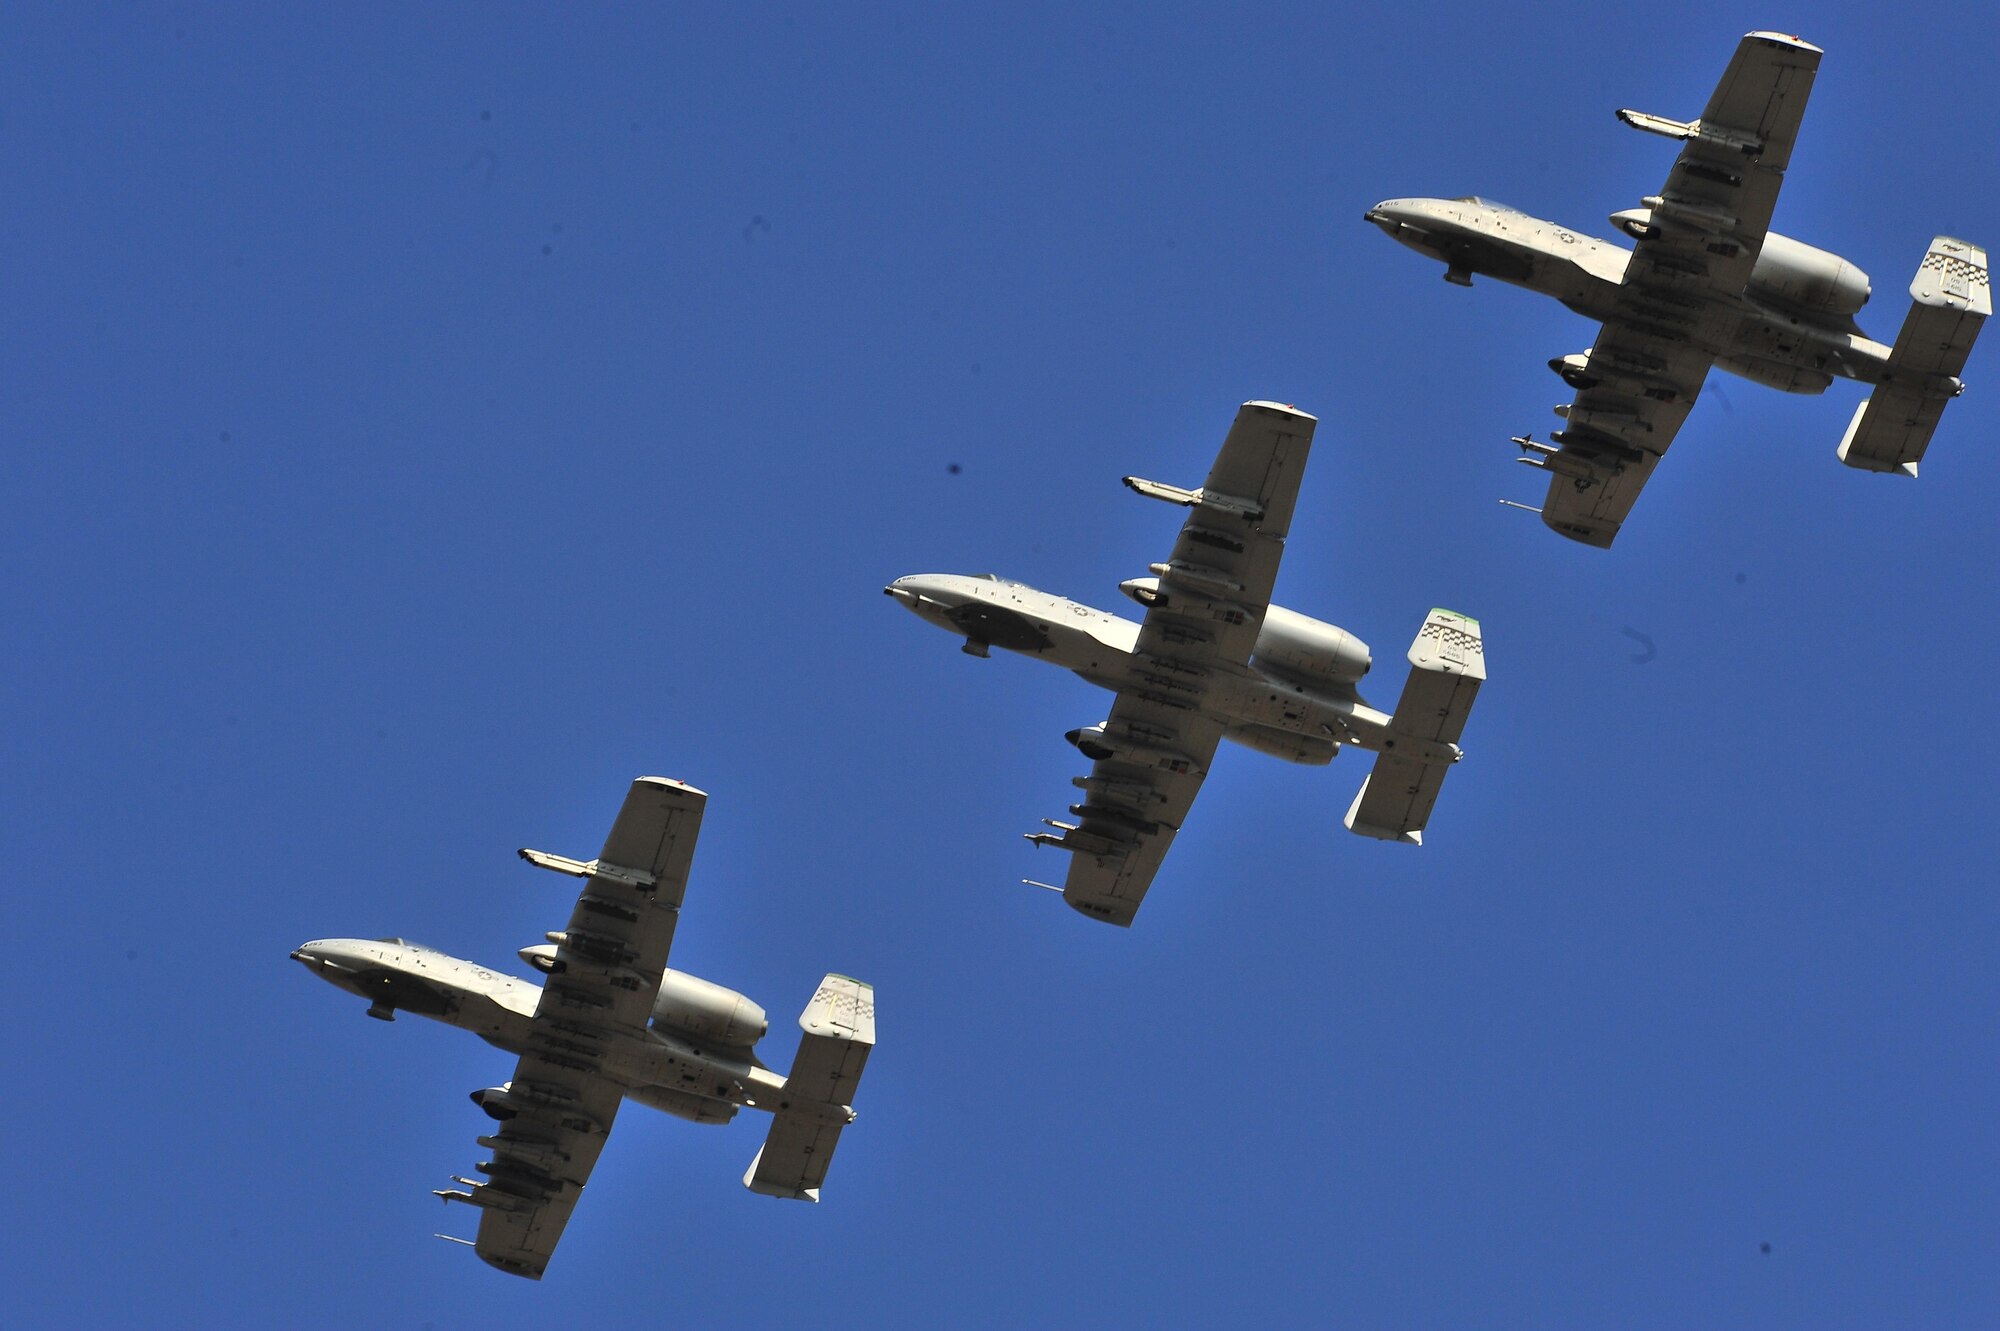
pixel 1212 659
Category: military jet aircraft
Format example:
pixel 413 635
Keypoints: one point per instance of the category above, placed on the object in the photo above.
pixel 1213 660
pixel 1709 284
pixel 611 1022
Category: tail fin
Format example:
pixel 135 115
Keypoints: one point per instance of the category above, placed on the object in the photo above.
pixel 1447 665
pixel 1951 298
pixel 839 1026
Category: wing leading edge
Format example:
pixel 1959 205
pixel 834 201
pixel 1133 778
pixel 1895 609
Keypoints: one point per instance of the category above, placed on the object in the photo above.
pixel 557 1111
pixel 1152 753
pixel 1698 240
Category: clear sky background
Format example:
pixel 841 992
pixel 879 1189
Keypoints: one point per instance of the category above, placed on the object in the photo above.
pixel 419 424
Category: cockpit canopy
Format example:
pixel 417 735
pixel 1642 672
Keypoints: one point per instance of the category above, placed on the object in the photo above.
pixel 995 577
pixel 406 942
pixel 1479 202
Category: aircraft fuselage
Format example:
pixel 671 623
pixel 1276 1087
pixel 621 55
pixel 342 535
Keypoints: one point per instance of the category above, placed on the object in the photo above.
pixel 1101 647
pixel 1744 336
pixel 500 1009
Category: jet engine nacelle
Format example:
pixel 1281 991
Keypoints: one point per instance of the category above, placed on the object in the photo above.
pixel 1787 271
pixel 708 1012
pixel 1796 274
pixel 1776 374
pixel 1284 744
pixel 1300 647
pixel 683 1104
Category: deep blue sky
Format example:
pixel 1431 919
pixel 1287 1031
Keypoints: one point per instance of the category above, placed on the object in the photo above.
pixel 418 425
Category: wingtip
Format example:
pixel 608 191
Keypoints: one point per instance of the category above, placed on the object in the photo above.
pixel 1281 408
pixel 1792 40
pixel 669 783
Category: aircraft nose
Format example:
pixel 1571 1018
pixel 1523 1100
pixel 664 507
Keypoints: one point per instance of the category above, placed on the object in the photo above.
pixel 1387 214
pixel 326 958
pixel 925 589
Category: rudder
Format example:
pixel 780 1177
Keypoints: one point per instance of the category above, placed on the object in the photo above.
pixel 839 1032
pixel 1951 298
pixel 1447 666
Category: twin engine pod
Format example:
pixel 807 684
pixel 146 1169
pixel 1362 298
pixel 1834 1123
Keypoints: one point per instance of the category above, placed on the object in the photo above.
pixel 1796 274
pixel 709 1012
pixel 686 1004
pixel 1289 645
pixel 1788 272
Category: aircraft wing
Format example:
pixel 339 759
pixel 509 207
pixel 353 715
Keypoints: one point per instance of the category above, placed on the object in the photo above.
pixel 1716 205
pixel 1133 804
pixel 542 1156
pixel 1701 236
pixel 614 949
pixel 605 976
pixel 1639 390
pixel 1201 623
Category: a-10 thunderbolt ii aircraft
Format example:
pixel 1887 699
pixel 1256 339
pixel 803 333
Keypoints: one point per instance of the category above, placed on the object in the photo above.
pixel 1214 660
pixel 611 1022
pixel 1709 284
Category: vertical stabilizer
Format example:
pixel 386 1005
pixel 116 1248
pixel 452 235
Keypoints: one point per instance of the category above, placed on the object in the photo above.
pixel 1447 666
pixel 1950 301
pixel 839 1031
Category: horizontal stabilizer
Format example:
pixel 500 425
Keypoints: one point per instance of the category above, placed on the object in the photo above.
pixel 1447 666
pixel 1950 301
pixel 839 1030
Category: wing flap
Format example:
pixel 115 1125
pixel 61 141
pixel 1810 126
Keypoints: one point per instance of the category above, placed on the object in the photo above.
pixel 1699 239
pixel 605 975
pixel 1202 621
pixel 1762 94
pixel 1638 391
pixel 1593 509
pixel 655 833
pixel 542 1157
pixel 1262 459
pixel 621 930
pixel 1709 219
pixel 1131 811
